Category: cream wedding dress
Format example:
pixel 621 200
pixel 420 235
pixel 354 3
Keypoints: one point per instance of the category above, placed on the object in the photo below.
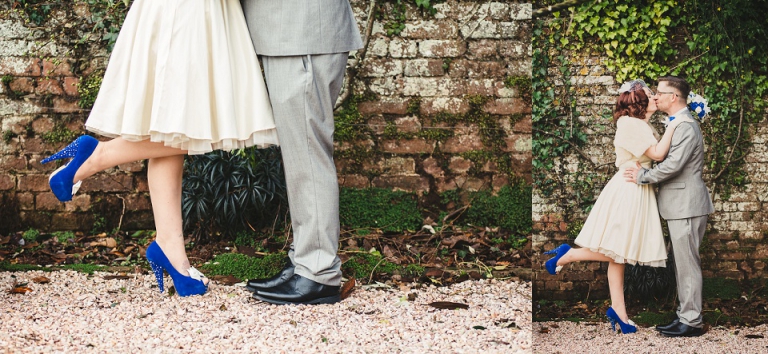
pixel 624 223
pixel 184 72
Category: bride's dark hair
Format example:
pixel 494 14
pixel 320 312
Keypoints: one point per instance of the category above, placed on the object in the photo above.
pixel 632 103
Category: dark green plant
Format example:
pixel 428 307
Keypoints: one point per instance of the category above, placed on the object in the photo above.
pixel 37 11
pixel 64 236
pixel 645 283
pixel 721 288
pixel 31 235
pixel 230 192
pixel 377 208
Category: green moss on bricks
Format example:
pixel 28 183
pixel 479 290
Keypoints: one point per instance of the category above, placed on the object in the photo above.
pixel 88 89
pixel 59 134
pixel 523 83
pixel 377 208
pixel 7 79
pixel 349 122
pixel 436 134
pixel 509 209
pixel 8 135
pixel 721 288
pixel 414 106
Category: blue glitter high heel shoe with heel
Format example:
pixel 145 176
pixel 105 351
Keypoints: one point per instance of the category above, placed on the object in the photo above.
pixel 61 180
pixel 614 318
pixel 551 264
pixel 185 285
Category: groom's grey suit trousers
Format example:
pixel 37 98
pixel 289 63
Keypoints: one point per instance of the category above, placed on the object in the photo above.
pixel 685 203
pixel 304 46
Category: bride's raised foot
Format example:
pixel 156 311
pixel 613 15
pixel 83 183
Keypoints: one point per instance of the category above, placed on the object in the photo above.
pixel 551 264
pixel 61 180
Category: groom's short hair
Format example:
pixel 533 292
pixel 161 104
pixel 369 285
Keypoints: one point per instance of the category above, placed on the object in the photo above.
pixel 678 83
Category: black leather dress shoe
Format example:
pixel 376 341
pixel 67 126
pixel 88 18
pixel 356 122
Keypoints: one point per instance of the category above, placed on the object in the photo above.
pixel 261 284
pixel 668 326
pixel 299 290
pixel 683 330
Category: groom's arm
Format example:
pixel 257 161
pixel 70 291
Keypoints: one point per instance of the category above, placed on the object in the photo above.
pixel 680 152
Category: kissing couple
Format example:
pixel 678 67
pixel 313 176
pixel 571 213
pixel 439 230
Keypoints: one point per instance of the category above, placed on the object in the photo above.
pixel 184 78
pixel 624 226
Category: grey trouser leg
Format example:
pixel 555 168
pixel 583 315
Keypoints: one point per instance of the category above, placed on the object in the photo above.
pixel 303 90
pixel 686 235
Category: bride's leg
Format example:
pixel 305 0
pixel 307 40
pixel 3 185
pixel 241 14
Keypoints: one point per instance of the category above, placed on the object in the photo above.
pixel 164 176
pixel 582 254
pixel 616 286
pixel 119 151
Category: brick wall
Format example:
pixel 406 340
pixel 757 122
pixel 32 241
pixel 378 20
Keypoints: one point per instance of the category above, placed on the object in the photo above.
pixel 443 73
pixel 734 245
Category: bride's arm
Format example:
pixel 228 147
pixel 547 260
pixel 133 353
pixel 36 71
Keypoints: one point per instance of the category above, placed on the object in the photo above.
pixel 659 151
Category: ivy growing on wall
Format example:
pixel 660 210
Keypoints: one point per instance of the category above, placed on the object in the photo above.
pixel 717 46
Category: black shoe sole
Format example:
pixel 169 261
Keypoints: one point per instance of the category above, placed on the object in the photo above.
pixel 665 334
pixel 323 300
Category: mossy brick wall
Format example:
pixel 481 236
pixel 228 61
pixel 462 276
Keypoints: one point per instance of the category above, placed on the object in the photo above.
pixel 432 107
pixel 435 112
pixel 734 246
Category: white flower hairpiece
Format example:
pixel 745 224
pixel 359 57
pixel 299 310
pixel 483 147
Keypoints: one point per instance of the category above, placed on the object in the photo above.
pixel 698 104
pixel 633 85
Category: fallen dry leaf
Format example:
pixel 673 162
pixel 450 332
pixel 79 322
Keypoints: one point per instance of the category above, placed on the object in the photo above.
pixel 447 305
pixel 41 280
pixel 20 289
pixel 225 279
pixel 106 242
pixel 118 276
pixel 452 241
pixel 348 288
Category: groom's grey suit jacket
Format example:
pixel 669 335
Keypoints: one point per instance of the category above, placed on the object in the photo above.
pixel 301 27
pixel 682 192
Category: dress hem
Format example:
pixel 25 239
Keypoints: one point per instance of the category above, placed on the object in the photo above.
pixel 194 146
pixel 620 259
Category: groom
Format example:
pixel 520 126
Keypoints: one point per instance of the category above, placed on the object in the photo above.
pixel 683 201
pixel 304 47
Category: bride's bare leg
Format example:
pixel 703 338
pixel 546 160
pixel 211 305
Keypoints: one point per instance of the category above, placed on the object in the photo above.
pixel 582 254
pixel 616 286
pixel 164 176
pixel 118 151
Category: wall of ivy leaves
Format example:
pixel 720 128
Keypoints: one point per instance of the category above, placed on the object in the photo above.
pixel 718 46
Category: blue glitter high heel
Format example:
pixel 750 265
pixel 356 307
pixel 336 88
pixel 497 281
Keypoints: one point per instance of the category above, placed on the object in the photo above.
pixel 551 264
pixel 61 179
pixel 185 285
pixel 625 328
